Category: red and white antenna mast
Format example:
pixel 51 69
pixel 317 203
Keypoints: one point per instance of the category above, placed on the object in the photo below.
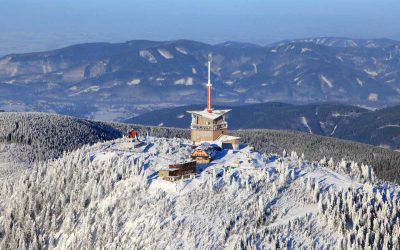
pixel 208 109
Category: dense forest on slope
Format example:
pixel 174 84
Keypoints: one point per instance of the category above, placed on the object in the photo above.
pixel 92 196
pixel 380 127
pixel 47 136
pixel 384 161
pixel 376 127
pixel 42 136
pixel 320 118
pixel 101 197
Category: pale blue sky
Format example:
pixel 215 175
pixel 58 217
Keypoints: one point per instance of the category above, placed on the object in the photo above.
pixel 60 22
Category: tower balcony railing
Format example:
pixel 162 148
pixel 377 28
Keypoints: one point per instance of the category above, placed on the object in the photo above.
pixel 209 127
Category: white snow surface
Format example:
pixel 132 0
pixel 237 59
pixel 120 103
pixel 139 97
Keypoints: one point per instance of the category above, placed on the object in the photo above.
pixel 326 81
pixel 334 130
pixel 188 81
pixel 148 56
pixel 389 126
pixel 304 50
pixel 165 53
pixel 94 88
pixel 373 97
pixel 117 200
pixel 340 58
pixel 359 81
pixel 371 72
pixel 390 81
pixel 255 68
pixel 229 82
pixel 305 123
pixel 134 82
pixel 182 50
pixel 237 72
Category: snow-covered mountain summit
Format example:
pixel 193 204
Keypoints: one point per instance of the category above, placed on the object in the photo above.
pixel 109 196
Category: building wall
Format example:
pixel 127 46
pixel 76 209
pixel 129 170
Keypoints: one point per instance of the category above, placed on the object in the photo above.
pixel 181 169
pixel 203 121
pixel 233 141
pixel 164 173
pixel 207 135
pixel 185 168
pixel 200 120
pixel 203 160
pixel 219 132
pixel 219 120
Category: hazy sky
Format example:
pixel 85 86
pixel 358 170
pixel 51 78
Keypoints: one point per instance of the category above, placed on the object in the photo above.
pixel 42 24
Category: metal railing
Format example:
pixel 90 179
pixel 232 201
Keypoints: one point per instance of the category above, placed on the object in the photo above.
pixel 209 127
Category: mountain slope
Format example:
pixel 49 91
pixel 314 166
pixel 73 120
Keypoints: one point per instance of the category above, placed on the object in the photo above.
pixel 384 162
pixel 381 127
pixel 105 196
pixel 377 127
pixel 39 137
pixel 111 81
pixel 343 42
pixel 320 118
pixel 26 138
pixel 43 136
pixel 51 135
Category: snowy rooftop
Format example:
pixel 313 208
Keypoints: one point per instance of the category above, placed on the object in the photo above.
pixel 213 115
pixel 219 141
pixel 224 138
pixel 206 146
pixel 169 169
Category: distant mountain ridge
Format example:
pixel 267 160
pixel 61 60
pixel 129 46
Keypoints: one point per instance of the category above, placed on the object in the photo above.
pixel 379 127
pixel 114 81
pixel 342 42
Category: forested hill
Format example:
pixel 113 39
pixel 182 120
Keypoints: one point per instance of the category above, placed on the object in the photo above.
pixel 320 118
pixel 39 136
pixel 42 136
pixel 111 196
pixel 376 127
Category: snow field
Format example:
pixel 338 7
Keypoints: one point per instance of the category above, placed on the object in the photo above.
pixel 165 53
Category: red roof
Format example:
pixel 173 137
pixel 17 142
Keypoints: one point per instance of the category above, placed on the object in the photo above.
pixel 132 134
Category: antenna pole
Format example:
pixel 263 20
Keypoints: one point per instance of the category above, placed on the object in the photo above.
pixel 209 110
